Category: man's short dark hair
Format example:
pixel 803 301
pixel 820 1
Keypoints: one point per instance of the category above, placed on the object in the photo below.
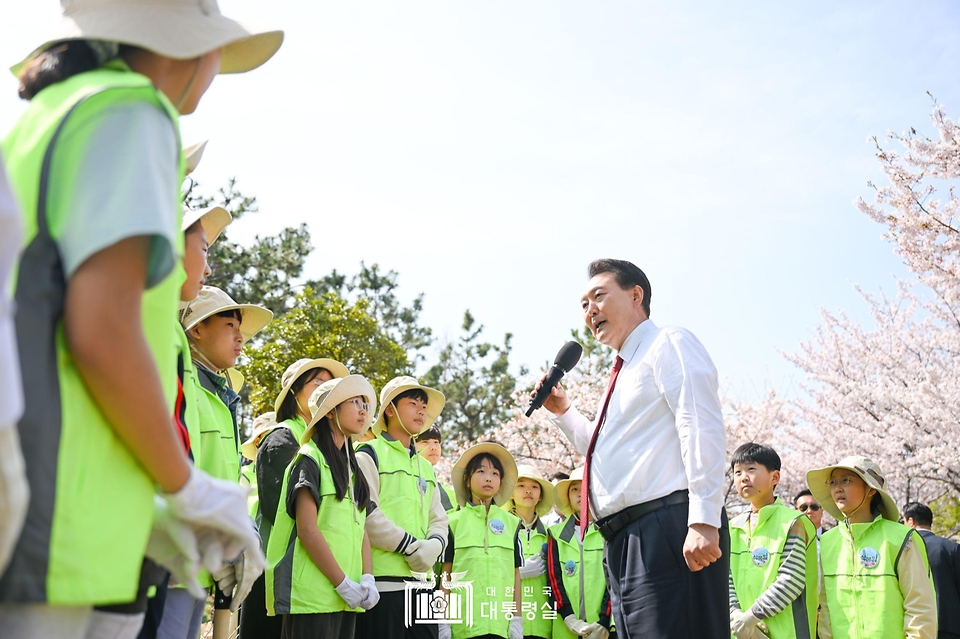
pixel 559 476
pixel 803 493
pixel 757 454
pixel 627 275
pixel 919 513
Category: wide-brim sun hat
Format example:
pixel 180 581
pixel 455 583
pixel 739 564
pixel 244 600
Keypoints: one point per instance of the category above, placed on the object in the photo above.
pixel 507 483
pixel 193 154
pixel 529 471
pixel 213 219
pixel 261 425
pixel 334 392
pixel 561 492
pixel 867 470
pixel 212 300
pixel 398 385
pixel 301 366
pixel 178 29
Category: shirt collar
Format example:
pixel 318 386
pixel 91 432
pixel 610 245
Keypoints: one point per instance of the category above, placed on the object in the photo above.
pixel 635 339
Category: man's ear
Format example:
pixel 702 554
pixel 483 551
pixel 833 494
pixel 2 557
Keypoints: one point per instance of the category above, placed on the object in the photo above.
pixel 775 476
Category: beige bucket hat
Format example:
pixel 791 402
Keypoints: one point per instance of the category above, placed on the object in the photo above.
pixel 261 426
pixel 301 366
pixel 561 492
pixel 179 29
pixel 507 483
pixel 402 384
pixel 867 470
pixel 193 154
pixel 529 471
pixel 333 393
pixel 213 219
pixel 212 300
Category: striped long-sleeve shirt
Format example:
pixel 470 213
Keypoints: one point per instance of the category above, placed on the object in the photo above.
pixel 790 581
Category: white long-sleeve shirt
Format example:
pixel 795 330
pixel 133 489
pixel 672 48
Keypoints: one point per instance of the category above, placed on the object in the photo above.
pixel 664 427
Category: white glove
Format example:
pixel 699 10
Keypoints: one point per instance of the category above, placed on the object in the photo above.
pixel 574 625
pixel 532 567
pixel 595 631
pixel 226 578
pixel 516 627
pixel 444 629
pixel 173 545
pixel 351 592
pixel 249 568
pixel 14 491
pixel 217 510
pixel 422 554
pixel 745 625
pixel 370 593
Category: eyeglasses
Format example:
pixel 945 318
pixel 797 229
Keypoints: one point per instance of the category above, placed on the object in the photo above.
pixel 804 507
pixel 361 405
pixel 843 482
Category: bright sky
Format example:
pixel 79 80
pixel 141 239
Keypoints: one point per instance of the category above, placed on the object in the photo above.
pixel 487 151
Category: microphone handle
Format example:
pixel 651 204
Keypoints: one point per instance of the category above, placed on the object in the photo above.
pixel 553 377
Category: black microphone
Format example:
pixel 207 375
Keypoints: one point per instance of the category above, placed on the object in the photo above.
pixel 566 359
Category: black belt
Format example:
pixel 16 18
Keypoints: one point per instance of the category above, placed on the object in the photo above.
pixel 610 526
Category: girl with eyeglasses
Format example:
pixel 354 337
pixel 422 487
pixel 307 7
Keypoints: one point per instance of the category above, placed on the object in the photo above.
pixel 319 566
pixel 876 579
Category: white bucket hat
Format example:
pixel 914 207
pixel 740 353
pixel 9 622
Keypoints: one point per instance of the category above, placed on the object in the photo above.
pixel 213 219
pixel 179 29
pixel 507 483
pixel 333 393
pixel 397 385
pixel 301 366
pixel 261 426
pixel 867 470
pixel 193 154
pixel 212 300
pixel 561 492
pixel 529 471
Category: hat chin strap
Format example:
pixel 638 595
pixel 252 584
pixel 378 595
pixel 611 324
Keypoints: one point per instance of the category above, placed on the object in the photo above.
pixel 846 517
pixel 402 425
pixel 346 451
pixel 306 412
pixel 189 87
pixel 203 359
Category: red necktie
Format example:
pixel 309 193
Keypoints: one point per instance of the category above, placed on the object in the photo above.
pixel 585 486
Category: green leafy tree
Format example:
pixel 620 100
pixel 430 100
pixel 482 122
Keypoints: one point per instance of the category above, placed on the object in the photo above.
pixel 262 273
pixel 379 289
pixel 322 325
pixel 475 378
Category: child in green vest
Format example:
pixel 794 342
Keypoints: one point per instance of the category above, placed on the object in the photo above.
pixel 773 555
pixel 430 445
pixel 484 545
pixel 578 588
pixel 876 580
pixel 532 499
pixel 408 529
pixel 318 557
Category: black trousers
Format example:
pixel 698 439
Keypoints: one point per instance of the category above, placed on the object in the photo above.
pixel 254 622
pixel 385 621
pixel 653 593
pixel 329 625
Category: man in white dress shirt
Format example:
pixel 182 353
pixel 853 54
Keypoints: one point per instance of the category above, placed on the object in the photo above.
pixel 656 467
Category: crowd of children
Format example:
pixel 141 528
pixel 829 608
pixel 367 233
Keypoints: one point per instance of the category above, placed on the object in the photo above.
pixel 329 521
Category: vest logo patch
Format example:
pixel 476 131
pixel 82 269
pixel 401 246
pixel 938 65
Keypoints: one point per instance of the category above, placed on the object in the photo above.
pixel 869 557
pixel 760 556
pixel 422 485
pixel 570 568
pixel 497 526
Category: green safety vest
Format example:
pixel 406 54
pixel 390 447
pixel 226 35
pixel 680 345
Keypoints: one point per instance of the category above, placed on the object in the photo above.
pixel 219 441
pixel 755 559
pixel 407 486
pixel 533 541
pixel 860 578
pixel 484 546
pixel 294 584
pixel 581 571
pixel 190 385
pixel 297 426
pixel 91 506
pixel 253 500
pixel 448 498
